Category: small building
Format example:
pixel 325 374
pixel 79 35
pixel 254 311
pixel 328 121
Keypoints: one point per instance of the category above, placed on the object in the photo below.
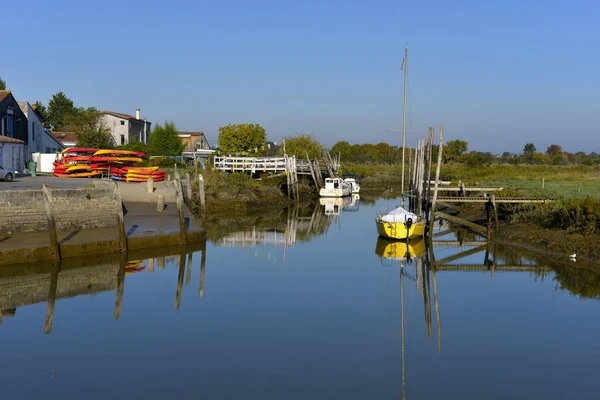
pixel 12 153
pixel 197 148
pixel 125 128
pixel 13 123
pixel 39 139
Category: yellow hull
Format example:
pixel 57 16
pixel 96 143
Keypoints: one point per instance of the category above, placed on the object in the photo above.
pixel 397 230
pixel 396 250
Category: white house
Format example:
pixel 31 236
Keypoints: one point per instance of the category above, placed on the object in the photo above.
pixel 11 153
pixel 126 128
pixel 39 139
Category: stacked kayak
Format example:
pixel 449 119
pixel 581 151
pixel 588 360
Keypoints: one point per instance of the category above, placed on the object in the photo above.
pixel 79 162
pixel 137 174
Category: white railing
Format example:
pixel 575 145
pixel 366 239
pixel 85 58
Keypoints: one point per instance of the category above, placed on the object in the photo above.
pixel 253 164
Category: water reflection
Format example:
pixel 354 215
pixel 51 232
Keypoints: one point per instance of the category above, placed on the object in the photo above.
pixel 24 285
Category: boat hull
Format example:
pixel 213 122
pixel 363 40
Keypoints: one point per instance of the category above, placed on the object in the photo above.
pixel 343 192
pixel 398 230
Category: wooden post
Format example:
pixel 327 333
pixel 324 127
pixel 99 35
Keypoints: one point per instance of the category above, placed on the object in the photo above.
pixel 52 296
pixel 168 177
pixel 437 180
pixel 188 183
pixel 150 185
pixel 120 218
pixel 201 195
pixel 579 188
pixel 312 171
pixel 51 222
pixel 543 183
pixel 495 211
pixel 287 177
pixel 182 231
pixel 429 162
pixel 160 203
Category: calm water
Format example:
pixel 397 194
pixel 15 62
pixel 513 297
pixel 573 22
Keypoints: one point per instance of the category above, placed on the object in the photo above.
pixel 304 304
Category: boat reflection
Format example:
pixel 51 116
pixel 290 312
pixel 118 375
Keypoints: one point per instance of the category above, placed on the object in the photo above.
pixel 399 250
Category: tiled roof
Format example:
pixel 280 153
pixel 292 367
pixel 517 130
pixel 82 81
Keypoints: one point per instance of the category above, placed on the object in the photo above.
pixel 4 94
pixel 6 139
pixel 119 115
pixel 65 136
pixel 192 133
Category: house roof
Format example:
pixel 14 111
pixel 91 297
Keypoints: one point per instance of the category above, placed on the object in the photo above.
pixel 120 115
pixel 4 94
pixel 6 139
pixel 65 136
pixel 191 133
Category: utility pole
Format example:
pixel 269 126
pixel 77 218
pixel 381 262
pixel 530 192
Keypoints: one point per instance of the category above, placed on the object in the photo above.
pixel 405 65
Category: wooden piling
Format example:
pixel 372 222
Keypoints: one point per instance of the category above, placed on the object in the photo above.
pixel 579 188
pixel 495 206
pixel 429 163
pixel 188 184
pixel 312 171
pixel 543 183
pixel 461 221
pixel 51 222
pixel 201 195
pixel 437 180
pixel 179 194
pixel 120 218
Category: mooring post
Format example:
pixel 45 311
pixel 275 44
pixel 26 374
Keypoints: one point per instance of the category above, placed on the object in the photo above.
pixel 160 202
pixel 178 192
pixel 188 184
pixel 150 185
pixel 201 195
pixel 495 211
pixel 120 218
pixel 543 183
pixel 579 188
pixel 437 180
pixel 51 222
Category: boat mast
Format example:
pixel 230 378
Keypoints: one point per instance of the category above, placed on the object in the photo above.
pixel 405 65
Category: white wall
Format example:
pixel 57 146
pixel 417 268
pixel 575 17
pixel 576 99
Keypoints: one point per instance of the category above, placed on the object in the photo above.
pixel 113 124
pixel 44 162
pixel 12 156
pixel 39 139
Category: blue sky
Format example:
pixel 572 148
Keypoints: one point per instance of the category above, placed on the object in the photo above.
pixel 497 74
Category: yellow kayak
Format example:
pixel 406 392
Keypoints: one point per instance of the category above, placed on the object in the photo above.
pixel 141 169
pixel 75 168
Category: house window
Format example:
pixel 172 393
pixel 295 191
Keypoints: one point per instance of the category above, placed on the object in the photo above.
pixel 123 123
pixel 122 139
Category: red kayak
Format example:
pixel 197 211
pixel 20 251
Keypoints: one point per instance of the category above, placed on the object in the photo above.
pixel 79 150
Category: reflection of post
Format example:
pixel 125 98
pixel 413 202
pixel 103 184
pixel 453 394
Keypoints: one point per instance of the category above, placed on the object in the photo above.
pixel 180 279
pixel 188 277
pixel 120 286
pixel 202 272
pixel 151 265
pixel 435 299
pixel 161 262
pixel 52 296
pixel 426 298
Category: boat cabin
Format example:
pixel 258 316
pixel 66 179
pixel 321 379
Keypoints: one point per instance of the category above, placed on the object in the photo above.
pixel 333 183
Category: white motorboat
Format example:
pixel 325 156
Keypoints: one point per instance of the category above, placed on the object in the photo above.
pixel 353 185
pixel 335 187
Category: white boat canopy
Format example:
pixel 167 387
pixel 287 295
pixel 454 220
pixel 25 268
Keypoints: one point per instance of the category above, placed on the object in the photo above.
pixel 399 215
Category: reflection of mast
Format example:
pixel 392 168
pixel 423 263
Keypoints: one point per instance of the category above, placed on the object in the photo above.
pixel 438 322
pixel 52 296
pixel 402 325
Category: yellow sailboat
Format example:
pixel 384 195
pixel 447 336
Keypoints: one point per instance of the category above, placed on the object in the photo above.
pixel 400 224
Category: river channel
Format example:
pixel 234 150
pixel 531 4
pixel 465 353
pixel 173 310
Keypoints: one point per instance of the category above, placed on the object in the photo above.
pixel 304 303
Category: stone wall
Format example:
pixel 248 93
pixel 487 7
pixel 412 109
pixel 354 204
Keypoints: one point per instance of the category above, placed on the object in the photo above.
pixel 24 211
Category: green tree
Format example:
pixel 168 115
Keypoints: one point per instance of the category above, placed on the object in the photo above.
pixel 2 84
pixel 86 123
pixel 343 148
pixel 135 146
pixel 60 107
pixel 541 158
pixel 529 149
pixel 454 151
pixel 476 159
pixel 554 150
pixel 300 145
pixel 42 110
pixel 96 138
pixel 241 138
pixel 165 140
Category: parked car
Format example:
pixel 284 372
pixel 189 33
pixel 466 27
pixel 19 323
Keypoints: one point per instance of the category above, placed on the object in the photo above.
pixel 7 175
